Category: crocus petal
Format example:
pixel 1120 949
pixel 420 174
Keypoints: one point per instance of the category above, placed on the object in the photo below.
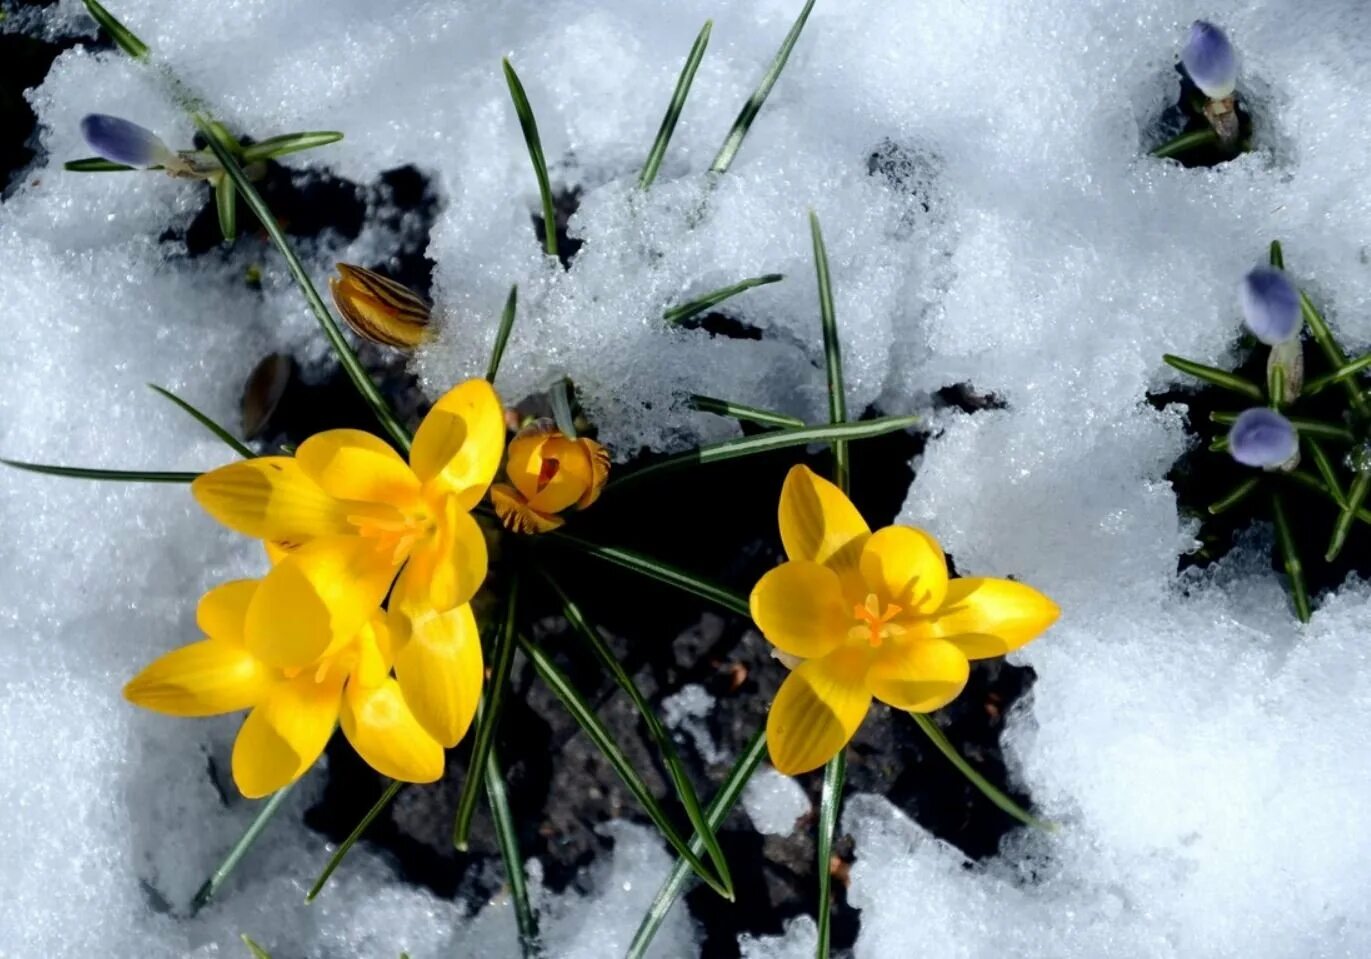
pixel 817 711
pixel 920 675
pixel 385 733
pixel 599 471
pixel 906 567
pixel 570 470
pixel 379 309
pixel 819 523
pixel 270 497
pixel 1262 437
pixel 121 141
pixel 448 570
pixel 285 734
pixel 354 465
pixel 1270 305
pixel 315 599
pixel 203 679
pixel 517 515
pixel 524 459
pixel 1209 60
pixel 800 608
pixel 223 610
pixel 439 667
pixel 458 446
pixel 986 617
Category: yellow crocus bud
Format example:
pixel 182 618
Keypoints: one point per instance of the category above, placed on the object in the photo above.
pixel 379 309
pixel 548 473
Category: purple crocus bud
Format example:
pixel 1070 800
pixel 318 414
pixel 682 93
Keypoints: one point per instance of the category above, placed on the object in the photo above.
pixel 1262 437
pixel 1270 305
pixel 120 141
pixel 1209 59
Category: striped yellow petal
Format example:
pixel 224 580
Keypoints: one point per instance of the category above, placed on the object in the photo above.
pixel 517 515
pixel 380 726
pixel 819 523
pixel 203 679
pixel 458 446
pixel 270 497
pixel 905 567
pixel 439 667
pixel 379 309
pixel 599 471
pixel 285 734
pixel 817 711
pixel 990 617
pixel 800 609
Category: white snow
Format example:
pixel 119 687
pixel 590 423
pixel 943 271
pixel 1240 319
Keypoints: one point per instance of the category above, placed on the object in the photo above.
pixel 774 801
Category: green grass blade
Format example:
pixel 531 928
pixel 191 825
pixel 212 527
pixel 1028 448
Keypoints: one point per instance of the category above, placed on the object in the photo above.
pixel 1186 142
pixel 559 397
pixel 673 110
pixel 123 37
pixel 1326 470
pixel 257 951
pixel 655 569
pixel 507 838
pixel 595 731
pixel 753 106
pixel 346 357
pixel 1313 483
pixel 502 334
pixel 666 748
pixel 346 846
pixel 224 435
pixel 488 718
pixel 837 434
pixel 1337 359
pixel 1344 372
pixel 931 730
pixel 1356 498
pixel 118 476
pixel 100 165
pixel 1303 426
pixel 830 799
pixel 717 811
pixel 685 311
pixel 1236 496
pixel 211 886
pixel 1216 376
pixel 226 205
pixel 535 154
pixel 273 147
pixel 1277 255
pixel 1290 558
pixel 833 356
pixel 750 414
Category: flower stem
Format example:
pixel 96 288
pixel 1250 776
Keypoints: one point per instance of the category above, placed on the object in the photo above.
pixel 215 882
pixel 829 800
pixel 356 834
pixel 931 730
pixel 1290 558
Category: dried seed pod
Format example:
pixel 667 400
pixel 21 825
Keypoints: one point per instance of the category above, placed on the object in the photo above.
pixel 263 391
pixel 379 309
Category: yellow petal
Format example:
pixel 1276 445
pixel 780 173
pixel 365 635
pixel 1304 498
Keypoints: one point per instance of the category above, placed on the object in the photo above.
pixel 269 497
pixel 203 679
pixel 990 617
pixel 458 446
pixel 354 465
pixel 379 309
pixel 374 652
pixel 817 711
pixel 524 459
pixel 819 523
pixel 223 611
pixel 516 514
pixel 285 734
pixel 317 598
pixel 439 667
pixel 448 570
pixel 800 609
pixel 385 733
pixel 920 675
pixel 905 566
pixel 599 471
pixel 562 475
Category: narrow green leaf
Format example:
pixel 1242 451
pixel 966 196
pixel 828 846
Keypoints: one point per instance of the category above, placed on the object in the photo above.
pixel 830 799
pixel 257 951
pixel 1290 558
pixel 560 398
pixel 603 740
pixel 119 476
pixel 717 811
pixel 1356 498
pixel 1277 257
pixel 100 165
pixel 1303 426
pixel 1344 372
pixel 1236 496
pixel 1219 444
pixel 502 334
pixel 535 154
pixel 346 357
pixel 273 147
pixel 507 838
pixel 1315 484
pixel 488 719
pixel 1186 142
pixel 226 204
pixel 1216 376
pixel 931 730
pixel 753 106
pixel 673 110
pixel 123 37
pixel 1275 387
pixel 680 780
pixel 224 435
pixel 833 356
pixel 1326 470
pixel 834 434
pixel 337 858
pixel 655 569
pixel 1337 359
pixel 215 882
pixel 750 414
pixel 679 314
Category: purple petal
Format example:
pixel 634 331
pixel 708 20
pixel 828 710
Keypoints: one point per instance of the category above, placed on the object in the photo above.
pixel 1270 305
pixel 120 141
pixel 1262 437
pixel 1209 59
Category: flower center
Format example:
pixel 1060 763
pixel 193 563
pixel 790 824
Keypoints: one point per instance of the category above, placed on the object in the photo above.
pixel 874 625
pixel 394 531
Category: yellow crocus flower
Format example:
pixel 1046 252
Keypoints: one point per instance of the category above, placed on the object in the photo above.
pixel 379 309
pixel 866 614
pixel 295 709
pixel 548 473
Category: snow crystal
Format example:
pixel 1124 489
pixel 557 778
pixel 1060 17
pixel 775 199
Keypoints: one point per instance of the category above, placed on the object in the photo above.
pixel 686 713
pixel 774 802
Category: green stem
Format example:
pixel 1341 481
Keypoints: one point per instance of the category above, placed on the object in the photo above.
pixel 1290 558
pixel 936 736
pixel 215 882
pixel 336 859
pixel 673 110
pixel 1186 142
pixel 829 801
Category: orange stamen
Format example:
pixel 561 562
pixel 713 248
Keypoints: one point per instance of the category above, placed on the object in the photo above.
pixel 870 613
